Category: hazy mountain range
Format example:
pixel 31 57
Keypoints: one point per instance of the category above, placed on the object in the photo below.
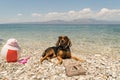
pixel 76 21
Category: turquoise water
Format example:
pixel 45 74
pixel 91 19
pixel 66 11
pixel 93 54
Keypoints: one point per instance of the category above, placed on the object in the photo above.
pixel 105 34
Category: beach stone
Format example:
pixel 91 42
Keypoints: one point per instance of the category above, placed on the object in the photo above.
pixel 1 40
pixel 74 69
pixel 97 66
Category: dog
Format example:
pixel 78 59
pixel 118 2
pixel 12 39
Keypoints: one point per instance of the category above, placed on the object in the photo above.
pixel 61 51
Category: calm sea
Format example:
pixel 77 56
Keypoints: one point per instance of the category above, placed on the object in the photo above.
pixel 99 34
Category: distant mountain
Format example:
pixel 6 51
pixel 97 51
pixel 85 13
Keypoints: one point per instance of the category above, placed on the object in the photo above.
pixel 76 21
pixel 82 21
pixel 55 22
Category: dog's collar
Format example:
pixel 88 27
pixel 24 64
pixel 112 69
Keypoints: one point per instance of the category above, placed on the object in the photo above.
pixel 63 48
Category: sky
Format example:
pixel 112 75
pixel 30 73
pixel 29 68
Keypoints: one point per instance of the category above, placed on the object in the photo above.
pixel 12 11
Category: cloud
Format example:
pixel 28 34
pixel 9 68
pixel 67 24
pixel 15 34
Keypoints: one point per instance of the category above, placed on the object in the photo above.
pixel 86 13
pixel 103 14
pixel 19 14
pixel 36 15
pixel 108 14
pixel 70 15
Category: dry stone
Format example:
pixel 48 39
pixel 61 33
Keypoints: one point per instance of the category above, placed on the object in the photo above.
pixel 73 68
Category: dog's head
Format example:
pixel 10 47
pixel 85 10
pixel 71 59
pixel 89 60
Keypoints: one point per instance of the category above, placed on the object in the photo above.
pixel 63 41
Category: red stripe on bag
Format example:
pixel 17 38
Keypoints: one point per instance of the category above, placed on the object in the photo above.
pixel 11 56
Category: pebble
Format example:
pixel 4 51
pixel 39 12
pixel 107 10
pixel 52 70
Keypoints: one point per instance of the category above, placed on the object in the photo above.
pixel 98 67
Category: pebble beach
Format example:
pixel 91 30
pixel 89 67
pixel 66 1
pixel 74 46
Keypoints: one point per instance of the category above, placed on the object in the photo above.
pixel 59 39
pixel 100 64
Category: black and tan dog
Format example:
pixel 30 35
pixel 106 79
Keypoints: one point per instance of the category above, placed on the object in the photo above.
pixel 61 51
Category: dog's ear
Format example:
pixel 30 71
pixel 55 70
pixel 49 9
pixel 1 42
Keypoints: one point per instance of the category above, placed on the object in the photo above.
pixel 58 42
pixel 70 43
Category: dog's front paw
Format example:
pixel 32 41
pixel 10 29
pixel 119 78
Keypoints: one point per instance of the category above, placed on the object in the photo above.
pixel 82 60
pixel 54 56
pixel 58 63
pixel 41 60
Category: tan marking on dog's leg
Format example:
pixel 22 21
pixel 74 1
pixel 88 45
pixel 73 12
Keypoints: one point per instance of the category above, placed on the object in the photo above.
pixel 59 60
pixel 54 55
pixel 48 58
pixel 43 58
pixel 77 59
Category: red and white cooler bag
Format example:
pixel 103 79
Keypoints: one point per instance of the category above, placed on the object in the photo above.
pixel 11 51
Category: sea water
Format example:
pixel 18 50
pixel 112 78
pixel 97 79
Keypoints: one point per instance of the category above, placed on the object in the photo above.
pixel 87 34
pixel 109 34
